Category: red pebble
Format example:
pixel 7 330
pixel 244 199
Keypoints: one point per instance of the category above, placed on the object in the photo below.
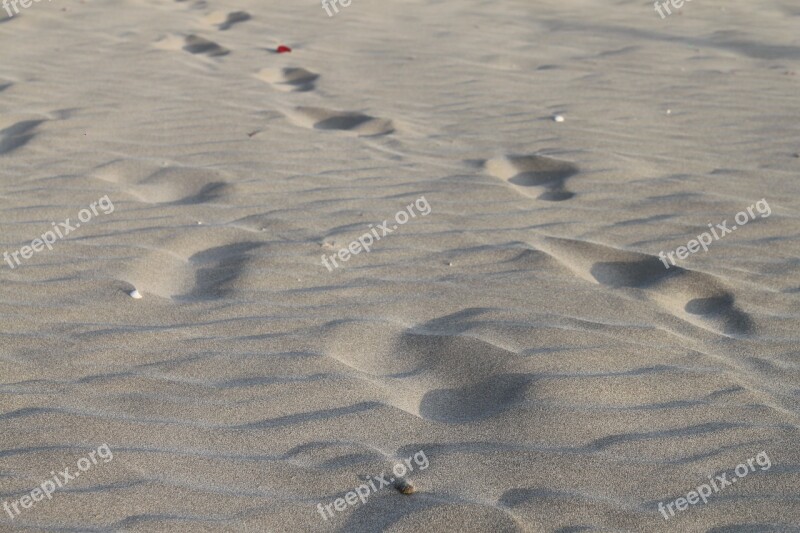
pixel 283 49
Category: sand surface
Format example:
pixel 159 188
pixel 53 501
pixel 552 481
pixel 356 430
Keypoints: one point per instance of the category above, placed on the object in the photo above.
pixel 519 329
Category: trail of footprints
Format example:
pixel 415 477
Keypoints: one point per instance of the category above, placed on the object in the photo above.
pixel 287 79
pixel 445 375
pixel 695 297
pixel 175 269
pixel 431 382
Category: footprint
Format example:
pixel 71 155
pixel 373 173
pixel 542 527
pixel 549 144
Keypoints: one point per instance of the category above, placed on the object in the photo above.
pixel 437 371
pixel 176 269
pixel 353 122
pixel 289 79
pixel 544 175
pixel 198 45
pixel 225 21
pixel 695 297
pixel 191 43
pixel 156 184
pixel 17 135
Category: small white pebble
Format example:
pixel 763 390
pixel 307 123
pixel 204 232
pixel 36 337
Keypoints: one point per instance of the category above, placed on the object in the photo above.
pixel 135 294
pixel 669 111
pixel 559 118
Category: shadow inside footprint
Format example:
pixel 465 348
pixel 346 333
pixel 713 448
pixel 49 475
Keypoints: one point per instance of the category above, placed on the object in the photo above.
pixel 17 135
pixel 723 309
pixel 299 78
pixel 199 45
pixel 556 195
pixel 537 172
pixel 294 79
pixel 218 268
pixel 475 402
pixel 640 274
pixel 209 192
pixel 348 122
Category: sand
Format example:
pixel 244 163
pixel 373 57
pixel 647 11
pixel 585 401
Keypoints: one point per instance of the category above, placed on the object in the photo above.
pixel 523 334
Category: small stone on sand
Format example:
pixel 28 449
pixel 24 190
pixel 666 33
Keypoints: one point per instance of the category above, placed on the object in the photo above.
pixel 404 487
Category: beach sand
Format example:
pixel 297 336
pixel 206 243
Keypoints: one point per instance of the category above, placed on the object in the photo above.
pixel 523 335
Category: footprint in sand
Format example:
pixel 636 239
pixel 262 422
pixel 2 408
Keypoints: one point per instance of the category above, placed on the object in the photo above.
pixel 534 175
pixel 326 119
pixel 289 79
pixel 695 297
pixel 436 371
pixel 193 44
pixel 224 21
pixel 177 269
pixel 198 45
pixel 155 184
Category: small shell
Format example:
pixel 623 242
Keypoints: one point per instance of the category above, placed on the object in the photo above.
pixel 559 118
pixel 135 294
